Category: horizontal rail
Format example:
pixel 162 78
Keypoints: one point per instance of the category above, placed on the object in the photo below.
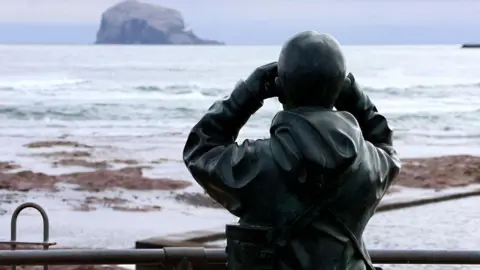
pixel 27 243
pixel 212 256
pixel 425 256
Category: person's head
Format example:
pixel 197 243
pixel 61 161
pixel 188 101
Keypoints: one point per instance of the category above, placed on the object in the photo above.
pixel 311 70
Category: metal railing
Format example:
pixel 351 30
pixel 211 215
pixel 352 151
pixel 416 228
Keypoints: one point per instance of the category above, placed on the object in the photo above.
pixel 175 255
pixel 13 243
pixel 211 256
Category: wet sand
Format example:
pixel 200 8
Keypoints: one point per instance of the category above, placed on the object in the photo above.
pixel 94 185
pixel 436 173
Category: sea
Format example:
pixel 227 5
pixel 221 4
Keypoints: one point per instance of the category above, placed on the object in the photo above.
pixel 141 101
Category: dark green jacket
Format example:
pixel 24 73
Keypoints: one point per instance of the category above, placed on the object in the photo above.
pixel 268 182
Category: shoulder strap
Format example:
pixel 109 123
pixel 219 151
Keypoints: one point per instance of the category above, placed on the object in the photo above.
pixel 304 219
pixel 313 212
pixel 353 239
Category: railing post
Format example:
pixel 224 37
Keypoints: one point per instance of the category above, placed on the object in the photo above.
pixel 13 227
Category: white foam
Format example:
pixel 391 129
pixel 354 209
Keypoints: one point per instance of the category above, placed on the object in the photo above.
pixel 39 82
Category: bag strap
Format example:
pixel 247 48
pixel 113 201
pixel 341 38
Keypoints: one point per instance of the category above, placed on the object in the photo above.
pixel 354 240
pixel 313 212
pixel 304 219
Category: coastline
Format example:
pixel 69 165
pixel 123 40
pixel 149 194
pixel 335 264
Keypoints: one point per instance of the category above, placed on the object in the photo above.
pixel 87 178
pixel 64 165
pixel 89 193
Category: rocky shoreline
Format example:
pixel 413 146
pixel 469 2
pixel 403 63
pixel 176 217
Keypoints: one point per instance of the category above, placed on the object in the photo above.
pixel 103 175
pixel 100 175
pixel 427 173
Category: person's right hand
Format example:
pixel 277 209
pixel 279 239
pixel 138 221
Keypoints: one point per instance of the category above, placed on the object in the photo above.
pixel 262 81
pixel 349 95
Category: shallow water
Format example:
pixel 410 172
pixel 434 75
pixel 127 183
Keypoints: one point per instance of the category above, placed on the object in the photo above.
pixel 145 99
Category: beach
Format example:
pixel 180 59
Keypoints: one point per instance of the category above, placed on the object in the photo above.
pixel 94 134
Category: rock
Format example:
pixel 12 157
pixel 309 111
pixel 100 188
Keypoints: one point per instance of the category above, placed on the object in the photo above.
pixel 197 199
pixel 149 208
pixel 64 154
pixel 7 166
pixel 471 46
pixel 81 163
pixel 49 144
pixel 133 22
pixel 125 161
pixel 130 178
pixel 440 172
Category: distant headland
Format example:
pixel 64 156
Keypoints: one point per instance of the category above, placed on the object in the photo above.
pixel 471 46
pixel 134 22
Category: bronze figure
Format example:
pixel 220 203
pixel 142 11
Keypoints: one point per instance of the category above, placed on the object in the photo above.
pixel 305 195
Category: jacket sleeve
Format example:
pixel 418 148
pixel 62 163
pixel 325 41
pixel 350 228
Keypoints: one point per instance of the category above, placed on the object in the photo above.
pixel 375 130
pixel 374 126
pixel 215 160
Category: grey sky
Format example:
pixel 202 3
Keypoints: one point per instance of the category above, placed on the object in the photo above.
pixel 215 18
pixel 339 11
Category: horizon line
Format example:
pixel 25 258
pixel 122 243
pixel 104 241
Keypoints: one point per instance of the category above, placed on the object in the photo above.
pixel 229 45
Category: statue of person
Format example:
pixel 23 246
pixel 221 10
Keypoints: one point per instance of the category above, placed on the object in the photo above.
pixel 305 195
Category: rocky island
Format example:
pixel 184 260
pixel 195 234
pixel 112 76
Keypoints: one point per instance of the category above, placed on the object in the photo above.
pixel 471 46
pixel 134 22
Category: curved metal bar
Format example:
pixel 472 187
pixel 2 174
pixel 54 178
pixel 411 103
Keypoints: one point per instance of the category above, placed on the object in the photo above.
pixel 43 213
pixel 13 226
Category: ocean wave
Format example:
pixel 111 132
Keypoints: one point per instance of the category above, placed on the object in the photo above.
pixel 170 118
pixel 98 111
pixel 32 113
pixel 467 114
pixel 436 126
pixel 173 87
pixel 420 89
pixel 116 114
pixel 179 89
pixel 39 84
pixel 72 86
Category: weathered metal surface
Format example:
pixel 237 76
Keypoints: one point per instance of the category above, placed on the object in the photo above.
pixel 171 253
pixel 13 229
pixel 156 243
pixel 203 256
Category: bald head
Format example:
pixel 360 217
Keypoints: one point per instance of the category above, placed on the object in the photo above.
pixel 311 69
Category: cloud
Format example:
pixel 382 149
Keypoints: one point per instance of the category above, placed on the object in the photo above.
pixel 71 11
pixel 339 11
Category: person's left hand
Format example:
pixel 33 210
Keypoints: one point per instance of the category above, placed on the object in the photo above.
pixel 262 81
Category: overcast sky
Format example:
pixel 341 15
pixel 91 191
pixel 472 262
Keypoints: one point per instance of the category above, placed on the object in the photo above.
pixel 258 21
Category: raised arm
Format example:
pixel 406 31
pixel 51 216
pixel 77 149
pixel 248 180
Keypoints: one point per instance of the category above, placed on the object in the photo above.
pixel 375 130
pixel 374 126
pixel 216 162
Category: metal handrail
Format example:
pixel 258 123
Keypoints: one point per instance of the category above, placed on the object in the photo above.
pixel 174 255
pixel 212 256
pixel 13 230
